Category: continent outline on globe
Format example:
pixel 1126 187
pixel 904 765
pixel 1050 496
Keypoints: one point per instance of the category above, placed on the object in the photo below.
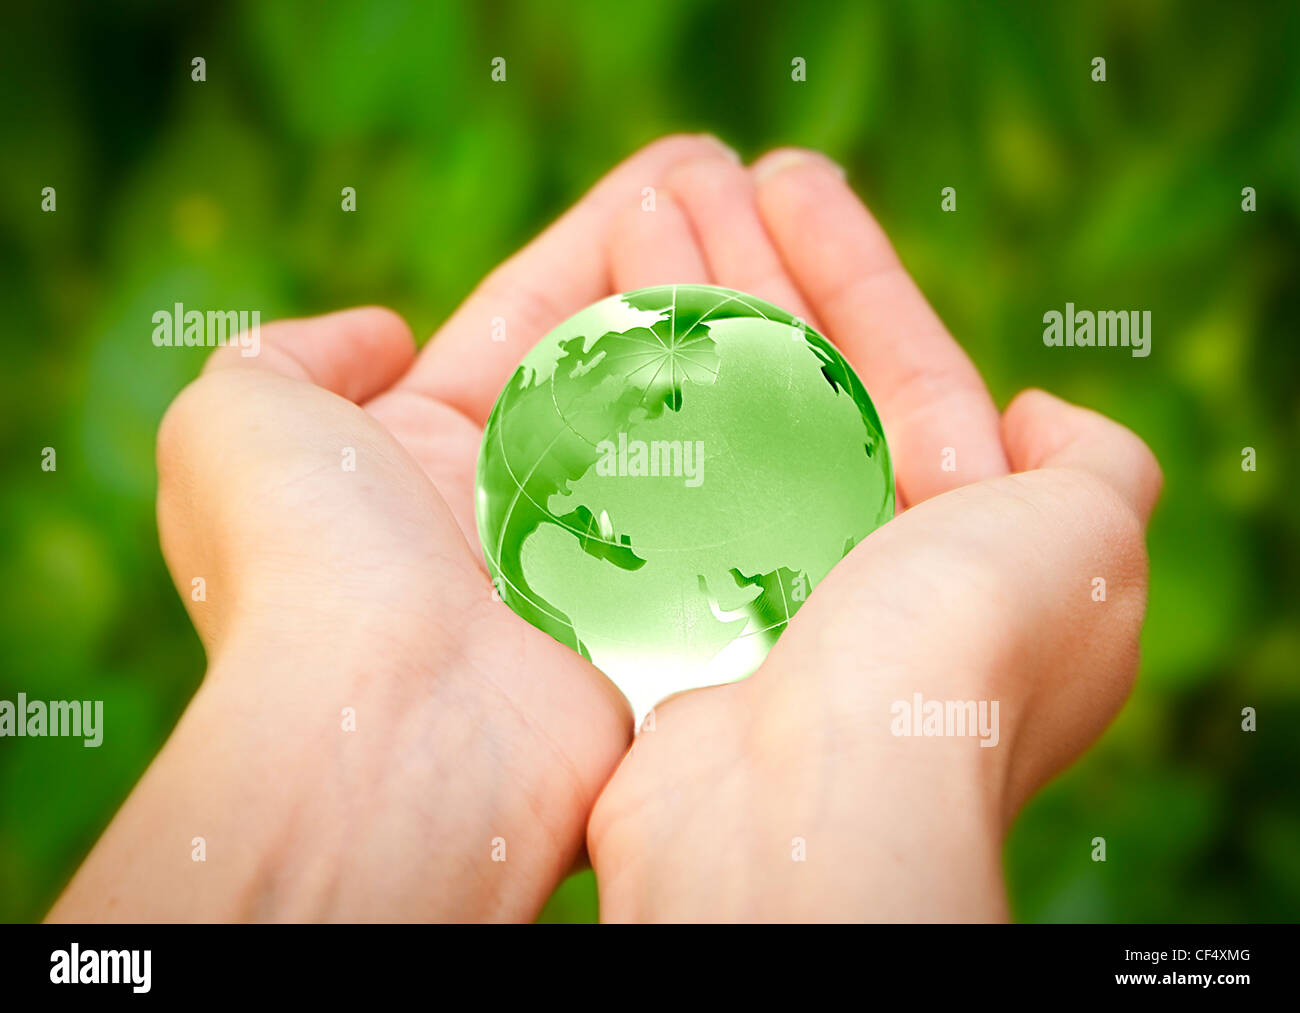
pixel 668 474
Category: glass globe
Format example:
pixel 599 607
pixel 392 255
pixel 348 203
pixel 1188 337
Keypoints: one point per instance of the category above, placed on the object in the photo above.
pixel 666 477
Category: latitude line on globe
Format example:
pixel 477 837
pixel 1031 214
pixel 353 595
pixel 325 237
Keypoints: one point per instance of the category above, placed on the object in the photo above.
pixel 520 490
pixel 776 405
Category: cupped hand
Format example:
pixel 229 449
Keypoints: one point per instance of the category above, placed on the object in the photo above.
pixel 376 738
pixel 1016 575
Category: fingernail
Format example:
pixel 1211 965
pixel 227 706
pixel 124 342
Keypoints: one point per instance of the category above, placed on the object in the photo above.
pixel 791 157
pixel 724 148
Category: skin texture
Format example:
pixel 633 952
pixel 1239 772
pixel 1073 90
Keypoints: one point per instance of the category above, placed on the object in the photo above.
pixel 330 589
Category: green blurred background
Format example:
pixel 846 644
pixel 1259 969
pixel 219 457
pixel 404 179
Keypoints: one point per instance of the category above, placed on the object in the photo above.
pixel 1125 194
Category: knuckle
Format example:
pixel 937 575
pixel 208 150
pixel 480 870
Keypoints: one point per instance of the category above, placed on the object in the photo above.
pixel 532 305
pixel 930 386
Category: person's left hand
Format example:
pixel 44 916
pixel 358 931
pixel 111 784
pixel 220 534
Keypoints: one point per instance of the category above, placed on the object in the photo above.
pixel 793 794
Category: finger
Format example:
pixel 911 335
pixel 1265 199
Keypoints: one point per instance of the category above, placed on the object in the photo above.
pixel 941 423
pixel 655 246
pixel 720 202
pixel 354 353
pixel 646 247
pixel 1008 570
pixel 1042 431
pixel 559 273
pixel 444 443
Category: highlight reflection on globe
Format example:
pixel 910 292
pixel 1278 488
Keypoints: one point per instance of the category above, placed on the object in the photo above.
pixel 667 476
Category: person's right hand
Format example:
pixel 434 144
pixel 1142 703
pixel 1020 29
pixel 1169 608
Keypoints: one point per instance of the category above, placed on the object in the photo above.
pixel 376 738
pixel 787 796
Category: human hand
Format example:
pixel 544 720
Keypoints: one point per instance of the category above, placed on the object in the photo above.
pixel 331 592
pixel 377 599
pixel 980 591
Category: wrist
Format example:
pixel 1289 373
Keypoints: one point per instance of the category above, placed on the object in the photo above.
pixel 348 778
pixel 809 806
pixel 412 787
pixel 923 753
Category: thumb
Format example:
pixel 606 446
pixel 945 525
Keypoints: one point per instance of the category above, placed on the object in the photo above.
pixel 1040 430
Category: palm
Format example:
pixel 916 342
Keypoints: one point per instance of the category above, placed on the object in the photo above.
pixel 546 729
pixel 546 686
pixel 394 537
pixel 969 576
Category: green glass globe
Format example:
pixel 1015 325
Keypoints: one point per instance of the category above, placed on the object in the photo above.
pixel 667 476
